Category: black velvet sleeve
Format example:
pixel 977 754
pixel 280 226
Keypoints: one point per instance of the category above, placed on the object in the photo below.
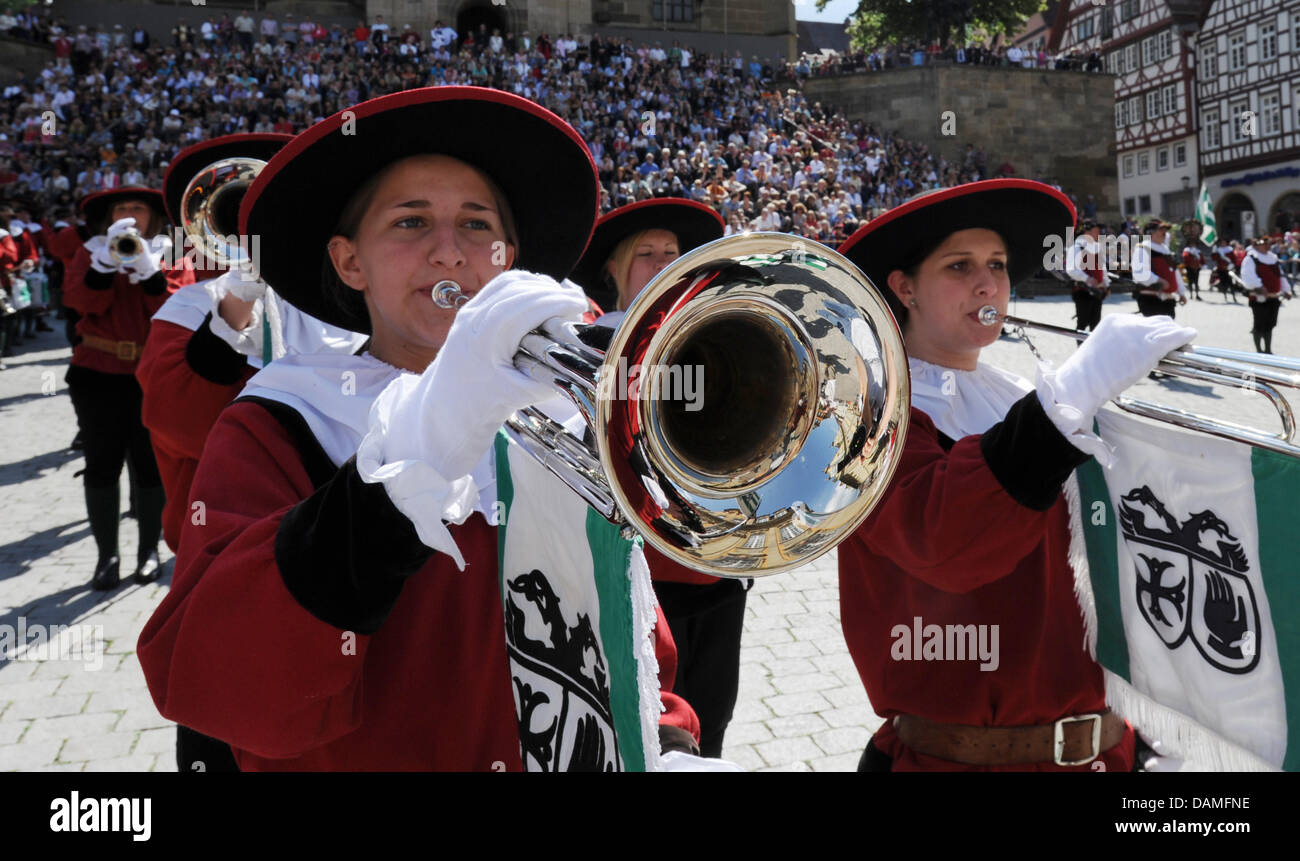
pixel 154 285
pixel 345 551
pixel 97 280
pixel 1028 455
pixel 212 358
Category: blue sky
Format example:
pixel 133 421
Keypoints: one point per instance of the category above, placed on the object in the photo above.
pixel 836 10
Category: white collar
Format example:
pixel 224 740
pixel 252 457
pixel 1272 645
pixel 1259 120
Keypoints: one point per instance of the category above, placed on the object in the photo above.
pixel 962 403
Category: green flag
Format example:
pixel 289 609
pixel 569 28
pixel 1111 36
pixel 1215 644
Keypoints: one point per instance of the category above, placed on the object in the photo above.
pixel 1205 215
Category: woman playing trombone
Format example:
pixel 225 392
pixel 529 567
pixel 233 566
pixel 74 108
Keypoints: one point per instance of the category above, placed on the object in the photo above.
pixel 974 529
pixel 339 609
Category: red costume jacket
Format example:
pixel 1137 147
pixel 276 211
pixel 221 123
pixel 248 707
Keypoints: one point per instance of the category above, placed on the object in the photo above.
pixel 973 534
pixel 187 377
pixel 112 307
pixel 295 561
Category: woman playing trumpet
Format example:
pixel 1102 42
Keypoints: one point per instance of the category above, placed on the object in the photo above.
pixel 340 608
pixel 974 528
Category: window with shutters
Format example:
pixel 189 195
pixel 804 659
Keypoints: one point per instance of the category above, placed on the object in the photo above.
pixel 1270 113
pixel 1209 63
pixel 1240 120
pixel 1236 52
pixel 1086 28
pixel 672 10
pixel 1267 41
pixel 1213 135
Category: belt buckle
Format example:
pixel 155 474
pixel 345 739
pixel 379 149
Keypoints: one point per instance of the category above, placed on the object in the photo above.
pixel 1058 738
pixel 126 351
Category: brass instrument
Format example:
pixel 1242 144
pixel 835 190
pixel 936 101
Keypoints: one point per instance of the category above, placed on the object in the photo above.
pixel 127 247
pixel 1262 373
pixel 799 425
pixel 210 209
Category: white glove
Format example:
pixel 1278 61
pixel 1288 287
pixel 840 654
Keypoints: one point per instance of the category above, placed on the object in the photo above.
pixel 675 760
pixel 428 432
pixel 100 259
pixel 1162 759
pixel 246 341
pixel 149 263
pixel 1123 349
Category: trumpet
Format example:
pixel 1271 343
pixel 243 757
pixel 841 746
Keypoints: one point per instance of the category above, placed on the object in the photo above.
pixel 127 247
pixel 210 209
pixel 803 407
pixel 1255 372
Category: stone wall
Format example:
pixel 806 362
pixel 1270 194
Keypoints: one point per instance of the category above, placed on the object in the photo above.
pixel 1054 124
pixel 19 57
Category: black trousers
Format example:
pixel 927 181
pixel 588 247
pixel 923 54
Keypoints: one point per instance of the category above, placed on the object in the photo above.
pixel 1154 306
pixel 108 413
pixel 706 623
pixel 198 752
pixel 1265 315
pixel 1194 281
pixel 1087 310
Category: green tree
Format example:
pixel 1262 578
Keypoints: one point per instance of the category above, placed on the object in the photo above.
pixel 888 22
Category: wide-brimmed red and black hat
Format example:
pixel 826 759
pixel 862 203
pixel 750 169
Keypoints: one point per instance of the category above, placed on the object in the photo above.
pixel 692 222
pixel 1021 211
pixel 540 163
pixel 95 206
pixel 188 162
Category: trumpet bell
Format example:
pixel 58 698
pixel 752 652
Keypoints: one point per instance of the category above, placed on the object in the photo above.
pixel 765 405
pixel 210 209
pixel 127 247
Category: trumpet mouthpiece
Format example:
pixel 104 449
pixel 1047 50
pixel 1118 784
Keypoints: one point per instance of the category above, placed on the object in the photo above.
pixel 989 315
pixel 447 294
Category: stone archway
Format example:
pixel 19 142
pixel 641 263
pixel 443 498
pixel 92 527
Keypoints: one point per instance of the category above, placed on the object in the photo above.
pixel 1231 216
pixel 1285 214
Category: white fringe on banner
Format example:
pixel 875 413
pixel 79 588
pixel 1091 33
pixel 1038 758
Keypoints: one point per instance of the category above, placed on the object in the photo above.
pixel 647 665
pixel 1179 735
pixel 1184 737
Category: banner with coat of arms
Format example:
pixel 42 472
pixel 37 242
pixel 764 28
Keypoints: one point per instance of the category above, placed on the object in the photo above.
pixel 1189 577
pixel 579 613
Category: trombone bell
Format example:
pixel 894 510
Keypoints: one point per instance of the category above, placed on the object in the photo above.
pixel 748 412
pixel 210 209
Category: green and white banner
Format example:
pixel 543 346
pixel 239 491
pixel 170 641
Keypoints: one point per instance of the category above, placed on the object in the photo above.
pixel 1191 591
pixel 1205 215
pixel 579 612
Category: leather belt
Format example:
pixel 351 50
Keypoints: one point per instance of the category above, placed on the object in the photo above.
pixel 1075 740
pixel 127 351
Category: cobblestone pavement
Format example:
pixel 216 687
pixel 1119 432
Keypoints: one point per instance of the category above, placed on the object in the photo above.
pixel 801 704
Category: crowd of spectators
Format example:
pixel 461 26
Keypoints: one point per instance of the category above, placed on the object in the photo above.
pixel 830 63
pixel 113 107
